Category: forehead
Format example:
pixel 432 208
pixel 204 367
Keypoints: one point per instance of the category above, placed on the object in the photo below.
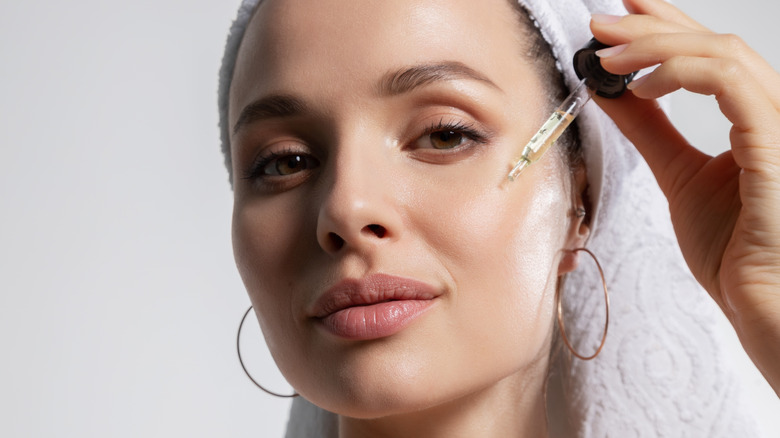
pixel 302 45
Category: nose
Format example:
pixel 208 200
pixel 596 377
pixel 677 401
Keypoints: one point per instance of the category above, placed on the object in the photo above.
pixel 359 209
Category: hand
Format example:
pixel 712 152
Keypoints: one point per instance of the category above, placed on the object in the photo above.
pixel 725 209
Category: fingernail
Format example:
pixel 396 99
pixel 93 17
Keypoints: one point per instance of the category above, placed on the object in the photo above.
pixel 637 82
pixel 605 18
pixel 611 51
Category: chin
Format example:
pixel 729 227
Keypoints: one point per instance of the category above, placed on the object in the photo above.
pixel 379 404
pixel 389 390
pixel 376 389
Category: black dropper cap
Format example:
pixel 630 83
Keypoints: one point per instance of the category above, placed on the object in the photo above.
pixel 588 65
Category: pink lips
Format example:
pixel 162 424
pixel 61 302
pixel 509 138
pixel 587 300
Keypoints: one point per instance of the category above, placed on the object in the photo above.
pixel 372 307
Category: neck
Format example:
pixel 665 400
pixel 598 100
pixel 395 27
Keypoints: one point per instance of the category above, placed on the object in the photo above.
pixel 513 407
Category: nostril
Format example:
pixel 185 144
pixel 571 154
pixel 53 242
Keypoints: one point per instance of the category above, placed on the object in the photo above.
pixel 378 230
pixel 336 242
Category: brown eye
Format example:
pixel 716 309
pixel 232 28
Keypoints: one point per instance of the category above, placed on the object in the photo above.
pixel 289 165
pixel 446 139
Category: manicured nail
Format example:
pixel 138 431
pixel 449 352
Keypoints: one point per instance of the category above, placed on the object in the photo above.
pixel 605 19
pixel 637 82
pixel 611 51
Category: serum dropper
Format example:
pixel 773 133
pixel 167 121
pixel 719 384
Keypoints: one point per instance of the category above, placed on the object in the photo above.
pixel 593 80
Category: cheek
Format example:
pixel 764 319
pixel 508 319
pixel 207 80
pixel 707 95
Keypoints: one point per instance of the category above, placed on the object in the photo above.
pixel 270 244
pixel 501 247
pixel 266 241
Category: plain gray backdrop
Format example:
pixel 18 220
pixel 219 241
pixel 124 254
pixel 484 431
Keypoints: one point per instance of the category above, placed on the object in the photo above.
pixel 119 299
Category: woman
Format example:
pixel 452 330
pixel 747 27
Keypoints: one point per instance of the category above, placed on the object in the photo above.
pixel 401 282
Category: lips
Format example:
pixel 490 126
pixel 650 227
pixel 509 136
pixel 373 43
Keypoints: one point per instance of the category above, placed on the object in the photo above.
pixel 372 307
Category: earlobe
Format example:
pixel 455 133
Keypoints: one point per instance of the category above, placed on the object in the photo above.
pixel 568 263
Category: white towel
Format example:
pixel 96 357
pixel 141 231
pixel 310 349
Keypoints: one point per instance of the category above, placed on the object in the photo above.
pixel 663 370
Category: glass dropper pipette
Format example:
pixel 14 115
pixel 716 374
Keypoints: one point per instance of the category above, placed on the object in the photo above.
pixel 593 80
pixel 560 119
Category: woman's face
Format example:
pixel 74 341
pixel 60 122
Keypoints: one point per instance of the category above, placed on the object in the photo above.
pixel 390 264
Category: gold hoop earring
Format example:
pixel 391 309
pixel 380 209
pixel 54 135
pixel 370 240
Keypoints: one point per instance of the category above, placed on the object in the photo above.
pixel 606 301
pixel 238 348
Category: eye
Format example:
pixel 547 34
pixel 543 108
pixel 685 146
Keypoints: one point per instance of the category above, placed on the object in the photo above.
pixel 446 139
pixel 448 136
pixel 289 165
pixel 283 164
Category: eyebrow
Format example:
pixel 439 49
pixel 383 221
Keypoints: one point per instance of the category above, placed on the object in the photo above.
pixel 393 83
pixel 407 79
pixel 269 107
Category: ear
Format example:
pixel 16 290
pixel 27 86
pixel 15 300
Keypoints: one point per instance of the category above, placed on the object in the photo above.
pixel 579 221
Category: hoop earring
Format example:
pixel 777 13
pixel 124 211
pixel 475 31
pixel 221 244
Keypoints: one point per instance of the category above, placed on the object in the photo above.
pixel 238 348
pixel 606 324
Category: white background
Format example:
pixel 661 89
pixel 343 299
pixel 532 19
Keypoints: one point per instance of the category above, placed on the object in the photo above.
pixel 119 299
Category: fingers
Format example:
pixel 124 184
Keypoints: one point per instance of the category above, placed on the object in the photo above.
pixel 613 30
pixel 656 48
pixel 689 56
pixel 741 100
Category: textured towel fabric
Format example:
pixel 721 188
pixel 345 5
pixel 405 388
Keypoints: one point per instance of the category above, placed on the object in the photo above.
pixel 663 371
